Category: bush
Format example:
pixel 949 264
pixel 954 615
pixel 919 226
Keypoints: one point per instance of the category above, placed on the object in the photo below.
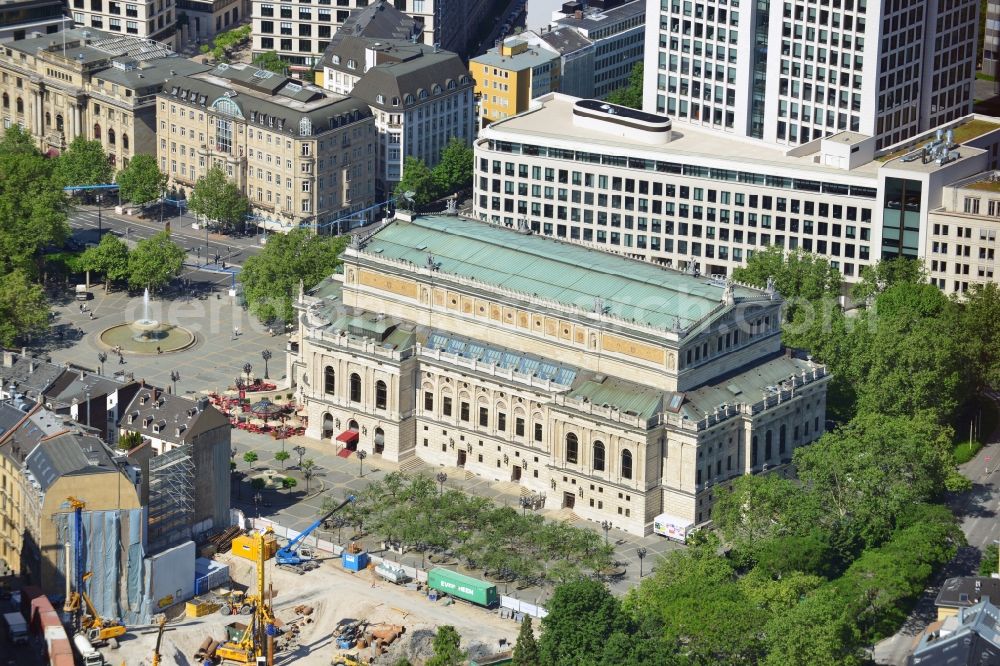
pixel 288 482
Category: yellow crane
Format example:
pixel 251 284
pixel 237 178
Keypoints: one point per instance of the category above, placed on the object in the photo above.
pixel 258 638
pixel 159 637
pixel 96 628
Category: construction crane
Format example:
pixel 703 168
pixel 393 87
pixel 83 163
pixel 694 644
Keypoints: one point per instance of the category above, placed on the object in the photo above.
pixel 88 621
pixel 159 637
pixel 289 557
pixel 257 640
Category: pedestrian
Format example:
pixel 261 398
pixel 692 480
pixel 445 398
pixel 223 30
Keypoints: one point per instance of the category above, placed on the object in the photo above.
pixel 81 307
pixel 121 360
pixel 159 351
pixel 91 314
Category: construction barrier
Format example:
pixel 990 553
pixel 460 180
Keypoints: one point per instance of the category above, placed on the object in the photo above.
pixel 192 609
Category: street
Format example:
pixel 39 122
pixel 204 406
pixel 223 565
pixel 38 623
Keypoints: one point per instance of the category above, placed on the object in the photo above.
pixel 977 513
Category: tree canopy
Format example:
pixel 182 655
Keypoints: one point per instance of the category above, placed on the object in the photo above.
pixel 271 277
pixel 83 163
pixel 109 258
pixel 32 205
pixel 582 618
pixel 798 275
pixel 631 94
pixel 154 262
pixel 24 309
pixel 141 181
pixel 447 648
pixel 454 171
pixel 526 649
pixel 419 179
pixel 887 273
pixel 271 61
pixel 217 198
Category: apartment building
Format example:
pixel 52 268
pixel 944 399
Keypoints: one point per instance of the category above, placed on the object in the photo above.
pixel 421 98
pixel 631 182
pixel 87 83
pixel 613 388
pixel 792 72
pixel 510 75
pixel 303 156
pixel 22 18
pixel 146 19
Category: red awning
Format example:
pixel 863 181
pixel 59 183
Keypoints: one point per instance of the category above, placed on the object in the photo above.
pixel 348 436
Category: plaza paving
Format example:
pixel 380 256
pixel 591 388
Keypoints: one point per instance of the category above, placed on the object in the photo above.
pixel 216 359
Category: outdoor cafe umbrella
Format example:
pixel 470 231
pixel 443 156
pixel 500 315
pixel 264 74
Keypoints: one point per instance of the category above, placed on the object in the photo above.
pixel 265 409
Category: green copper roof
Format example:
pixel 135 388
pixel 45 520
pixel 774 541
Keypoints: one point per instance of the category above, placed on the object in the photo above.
pixel 563 272
pixel 627 397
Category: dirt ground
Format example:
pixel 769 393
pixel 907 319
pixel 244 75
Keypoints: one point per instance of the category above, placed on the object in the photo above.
pixel 334 593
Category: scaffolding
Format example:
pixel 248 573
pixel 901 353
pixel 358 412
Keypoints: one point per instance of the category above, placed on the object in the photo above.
pixel 171 498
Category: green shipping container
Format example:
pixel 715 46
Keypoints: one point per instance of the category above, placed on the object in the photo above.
pixel 463 587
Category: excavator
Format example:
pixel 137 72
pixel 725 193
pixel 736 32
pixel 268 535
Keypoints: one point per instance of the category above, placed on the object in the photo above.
pixel 258 638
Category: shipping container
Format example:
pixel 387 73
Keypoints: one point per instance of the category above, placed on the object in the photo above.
pixel 463 587
pixel 354 561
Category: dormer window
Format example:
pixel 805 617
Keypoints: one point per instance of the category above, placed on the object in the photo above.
pixel 436 89
pixel 395 101
pixel 146 421
pixel 351 64
pixel 380 98
pixel 305 127
pixel 422 94
pixel 408 99
pixel 336 60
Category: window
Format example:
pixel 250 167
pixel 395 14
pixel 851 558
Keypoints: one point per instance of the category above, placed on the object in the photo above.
pixel 355 387
pixel 381 395
pixel 446 406
pixel 781 440
pixel 767 445
pixel 626 464
pixel 572 448
pixel 501 421
pixel 519 426
pixel 464 412
pixel 753 452
pixel 598 456
pixel 538 432
pixel 484 416
pixel 329 381
pixel 428 401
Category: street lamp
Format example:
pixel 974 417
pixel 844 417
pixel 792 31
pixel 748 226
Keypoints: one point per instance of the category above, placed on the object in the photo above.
pixel 525 503
pixel 174 377
pixel 641 552
pixel 361 459
pixel 301 451
pixel 101 358
pixel 605 525
pixel 100 198
pixel 441 478
pixel 266 355
pixel 246 370
pixel 256 500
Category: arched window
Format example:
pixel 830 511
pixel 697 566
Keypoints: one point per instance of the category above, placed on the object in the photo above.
pixel 626 464
pixel 572 448
pixel 599 456
pixel 355 387
pixel 125 141
pixel 381 394
pixel 48 119
pixel 781 440
pixel 20 105
pixel 753 452
pixel 97 131
pixel 767 445
pixel 111 137
pixel 6 101
pixel 329 380
pixel 59 123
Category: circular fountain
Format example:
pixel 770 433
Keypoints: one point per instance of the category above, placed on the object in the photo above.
pixel 147 335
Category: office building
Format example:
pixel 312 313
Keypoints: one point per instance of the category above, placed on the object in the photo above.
pixel 791 73
pixel 200 20
pixel 87 83
pixel 991 41
pixel 303 156
pixel 510 75
pixel 634 183
pixel 20 19
pixel 616 389
pixel 421 98
pixel 146 19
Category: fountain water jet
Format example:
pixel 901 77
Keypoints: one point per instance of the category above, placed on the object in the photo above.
pixel 146 329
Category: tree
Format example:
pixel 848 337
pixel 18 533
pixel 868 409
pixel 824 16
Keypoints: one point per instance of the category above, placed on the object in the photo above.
pixel 582 616
pixel 250 458
pixel 23 308
pixel 109 258
pixel 887 273
pixel 217 198
pixel 631 94
pixel 271 277
pixel 308 468
pixel 979 318
pixel 141 181
pixel 871 471
pixel 988 564
pixel 155 261
pixel 129 440
pixel 447 648
pixel 526 649
pixel 419 179
pixel 271 61
pixel 288 483
pixel 32 205
pixel 907 355
pixel 83 163
pixel 798 275
pixel 454 171
pixel 282 456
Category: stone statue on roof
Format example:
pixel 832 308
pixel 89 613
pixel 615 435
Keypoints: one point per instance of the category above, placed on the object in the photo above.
pixel 728 294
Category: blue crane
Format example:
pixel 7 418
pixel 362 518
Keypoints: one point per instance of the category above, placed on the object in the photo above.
pixel 289 557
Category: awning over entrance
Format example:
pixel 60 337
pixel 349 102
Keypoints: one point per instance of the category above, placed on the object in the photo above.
pixel 348 436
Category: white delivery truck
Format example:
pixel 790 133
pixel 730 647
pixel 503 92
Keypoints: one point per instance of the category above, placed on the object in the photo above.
pixel 88 654
pixel 672 527
pixel 16 627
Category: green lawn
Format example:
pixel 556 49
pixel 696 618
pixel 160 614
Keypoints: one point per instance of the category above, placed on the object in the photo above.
pixel 983 76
